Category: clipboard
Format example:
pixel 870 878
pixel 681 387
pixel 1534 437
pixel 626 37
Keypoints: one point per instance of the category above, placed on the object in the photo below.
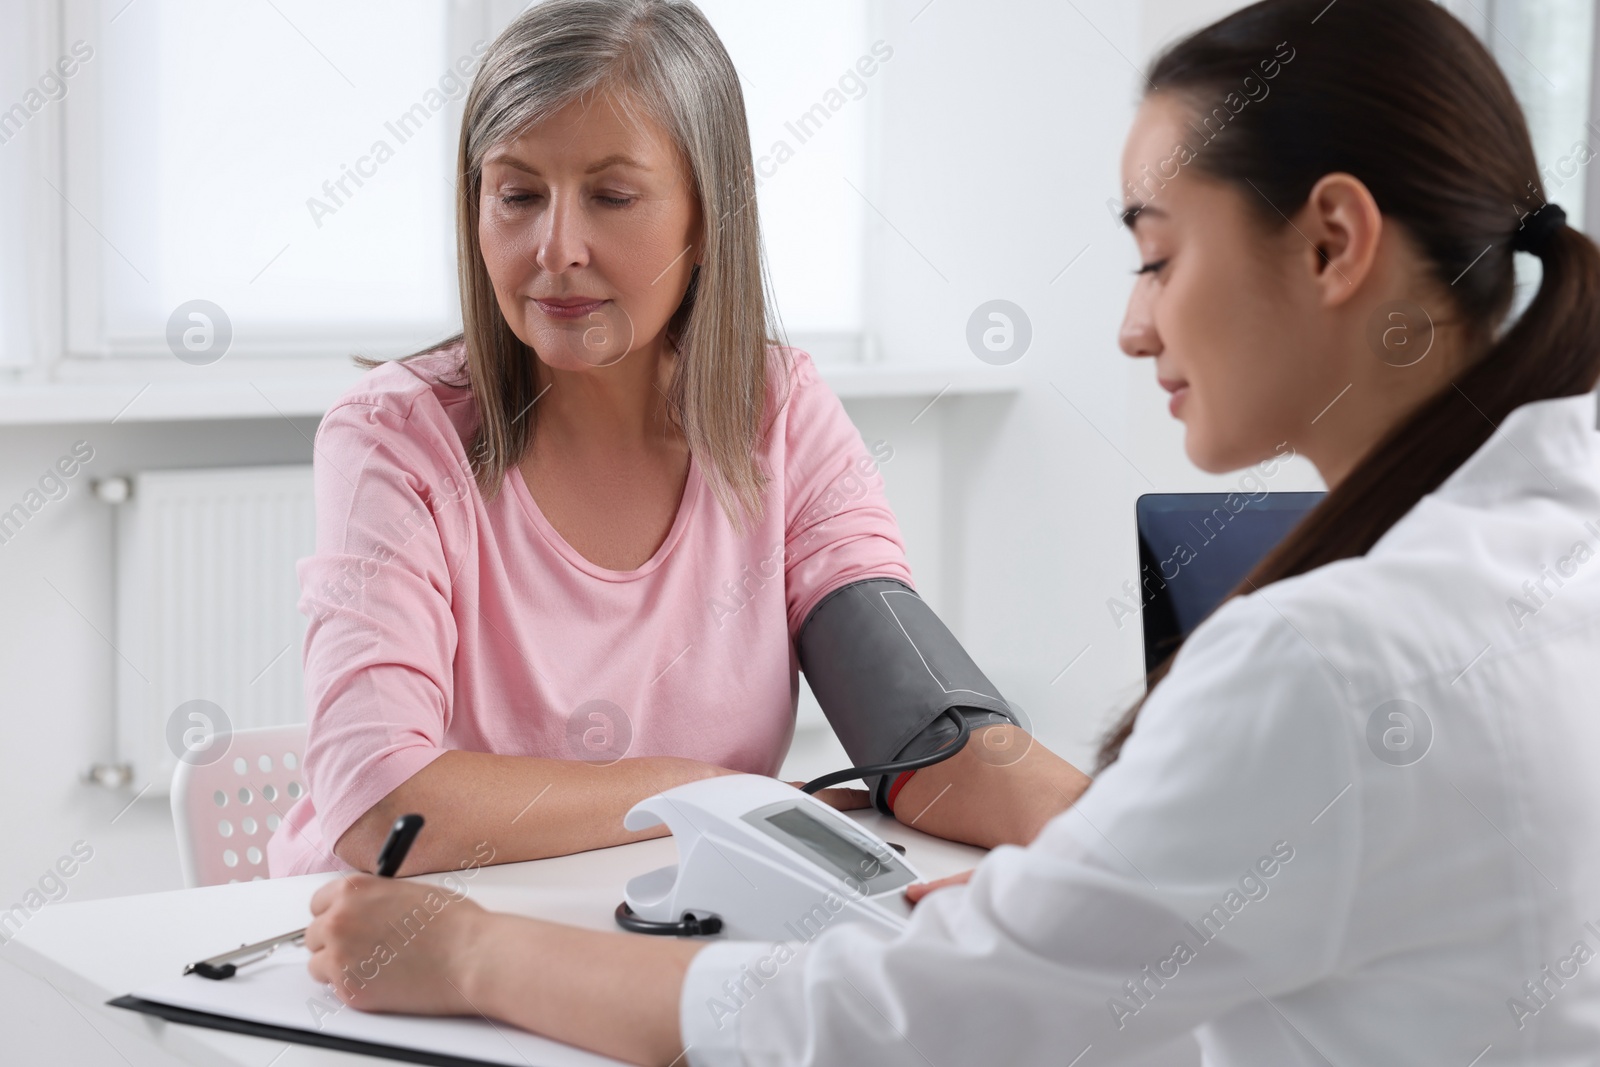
pixel 189 1017
pixel 278 999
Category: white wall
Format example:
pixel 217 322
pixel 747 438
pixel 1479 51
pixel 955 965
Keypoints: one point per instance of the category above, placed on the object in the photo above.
pixel 56 655
pixel 1002 144
pixel 56 682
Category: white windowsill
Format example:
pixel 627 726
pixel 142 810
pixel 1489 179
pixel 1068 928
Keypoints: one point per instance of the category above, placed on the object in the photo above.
pixel 274 393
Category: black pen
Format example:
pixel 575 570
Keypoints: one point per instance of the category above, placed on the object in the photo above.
pixel 390 857
pixel 397 844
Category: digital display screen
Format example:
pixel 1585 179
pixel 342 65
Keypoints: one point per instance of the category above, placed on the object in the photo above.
pixel 851 857
pixel 848 859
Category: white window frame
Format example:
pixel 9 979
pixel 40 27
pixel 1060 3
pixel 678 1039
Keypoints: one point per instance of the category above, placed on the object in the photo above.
pixel 37 257
pixel 1591 185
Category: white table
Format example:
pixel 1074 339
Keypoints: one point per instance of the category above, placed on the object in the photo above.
pixel 100 949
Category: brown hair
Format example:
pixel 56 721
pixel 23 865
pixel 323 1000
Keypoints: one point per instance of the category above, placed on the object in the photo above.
pixel 670 64
pixel 1401 95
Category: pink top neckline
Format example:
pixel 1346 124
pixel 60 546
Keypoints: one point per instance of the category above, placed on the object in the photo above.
pixel 687 504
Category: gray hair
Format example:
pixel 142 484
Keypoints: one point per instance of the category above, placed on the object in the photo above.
pixel 668 62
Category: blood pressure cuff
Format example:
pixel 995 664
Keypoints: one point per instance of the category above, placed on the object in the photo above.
pixel 885 670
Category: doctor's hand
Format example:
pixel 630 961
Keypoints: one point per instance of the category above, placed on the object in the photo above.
pixel 917 890
pixel 841 797
pixel 387 945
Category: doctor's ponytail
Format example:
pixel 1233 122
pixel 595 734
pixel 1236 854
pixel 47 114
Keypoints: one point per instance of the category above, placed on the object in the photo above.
pixel 1401 95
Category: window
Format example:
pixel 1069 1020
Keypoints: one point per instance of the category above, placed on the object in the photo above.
pixel 810 103
pixel 29 90
pixel 290 165
pixel 1547 50
pixel 287 162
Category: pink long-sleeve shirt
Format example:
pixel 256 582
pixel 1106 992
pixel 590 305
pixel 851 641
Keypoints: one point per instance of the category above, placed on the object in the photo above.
pixel 441 621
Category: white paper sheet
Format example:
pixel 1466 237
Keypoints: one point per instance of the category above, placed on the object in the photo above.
pixel 278 991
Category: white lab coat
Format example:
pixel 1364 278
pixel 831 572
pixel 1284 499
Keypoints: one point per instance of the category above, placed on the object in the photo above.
pixel 1253 869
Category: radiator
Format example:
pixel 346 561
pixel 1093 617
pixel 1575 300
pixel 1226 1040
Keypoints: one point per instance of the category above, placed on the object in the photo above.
pixel 206 593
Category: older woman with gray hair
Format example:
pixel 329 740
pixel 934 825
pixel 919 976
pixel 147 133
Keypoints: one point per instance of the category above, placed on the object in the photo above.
pixel 567 559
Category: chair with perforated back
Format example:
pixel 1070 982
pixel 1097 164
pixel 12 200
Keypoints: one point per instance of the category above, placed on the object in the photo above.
pixel 224 810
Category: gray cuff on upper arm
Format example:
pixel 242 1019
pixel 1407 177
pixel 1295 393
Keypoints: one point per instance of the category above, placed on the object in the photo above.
pixel 885 669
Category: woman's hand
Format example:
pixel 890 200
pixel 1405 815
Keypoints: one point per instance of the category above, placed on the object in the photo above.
pixel 841 797
pixel 918 890
pixel 392 946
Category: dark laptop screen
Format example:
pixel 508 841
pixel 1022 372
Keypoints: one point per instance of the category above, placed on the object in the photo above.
pixel 1195 547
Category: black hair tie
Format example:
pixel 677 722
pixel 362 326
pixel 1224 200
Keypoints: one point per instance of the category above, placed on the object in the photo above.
pixel 1538 229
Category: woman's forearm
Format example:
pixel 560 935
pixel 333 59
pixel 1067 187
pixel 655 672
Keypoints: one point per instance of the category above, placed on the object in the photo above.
pixel 1000 789
pixel 510 808
pixel 614 993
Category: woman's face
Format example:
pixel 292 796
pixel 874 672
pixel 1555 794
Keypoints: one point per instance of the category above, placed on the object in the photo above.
pixel 1233 334
pixel 590 229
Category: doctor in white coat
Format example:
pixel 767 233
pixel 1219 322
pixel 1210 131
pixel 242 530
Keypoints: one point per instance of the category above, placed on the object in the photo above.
pixel 1357 818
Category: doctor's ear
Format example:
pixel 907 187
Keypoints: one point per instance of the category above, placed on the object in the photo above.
pixel 1343 230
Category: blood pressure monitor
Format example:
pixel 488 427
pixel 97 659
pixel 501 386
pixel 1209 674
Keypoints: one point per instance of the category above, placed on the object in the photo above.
pixel 758 859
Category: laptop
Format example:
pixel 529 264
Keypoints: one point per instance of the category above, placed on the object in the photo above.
pixel 1195 547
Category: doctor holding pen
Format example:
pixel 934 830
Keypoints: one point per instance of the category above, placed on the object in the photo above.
pixel 574 556
pixel 1354 820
